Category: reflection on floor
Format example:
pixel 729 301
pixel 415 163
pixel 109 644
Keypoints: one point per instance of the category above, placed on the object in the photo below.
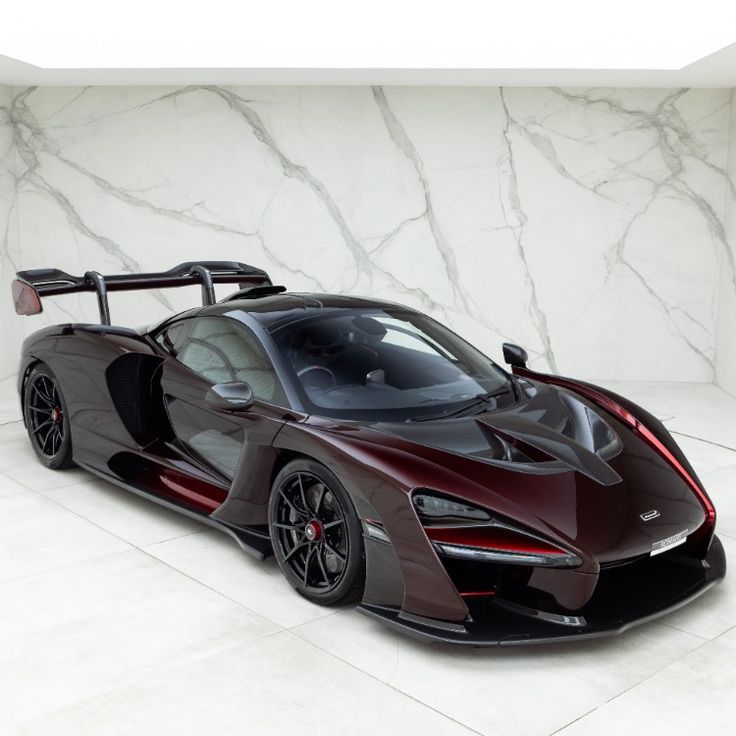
pixel 117 616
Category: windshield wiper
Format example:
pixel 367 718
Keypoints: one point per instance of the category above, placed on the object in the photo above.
pixel 478 403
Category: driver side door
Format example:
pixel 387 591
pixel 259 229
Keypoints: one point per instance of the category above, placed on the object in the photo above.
pixel 213 350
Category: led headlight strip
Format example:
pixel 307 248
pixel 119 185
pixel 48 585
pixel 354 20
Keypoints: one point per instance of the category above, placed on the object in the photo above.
pixel 467 532
pixel 498 544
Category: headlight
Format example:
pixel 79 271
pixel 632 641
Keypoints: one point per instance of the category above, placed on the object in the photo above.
pixel 487 538
pixel 500 545
pixel 436 507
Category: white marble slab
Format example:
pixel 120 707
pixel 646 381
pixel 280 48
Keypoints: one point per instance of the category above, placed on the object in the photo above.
pixel 726 345
pixel 515 691
pixel 38 535
pixel 678 701
pixel 215 559
pixel 72 633
pixel 277 685
pixel 589 225
pixel 136 520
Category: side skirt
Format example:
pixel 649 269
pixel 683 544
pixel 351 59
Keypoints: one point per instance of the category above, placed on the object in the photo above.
pixel 255 543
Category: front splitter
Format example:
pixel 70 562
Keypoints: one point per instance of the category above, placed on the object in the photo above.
pixel 625 597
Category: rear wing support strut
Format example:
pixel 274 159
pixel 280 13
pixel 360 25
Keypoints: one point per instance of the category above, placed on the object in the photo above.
pixel 30 286
pixel 98 281
pixel 208 287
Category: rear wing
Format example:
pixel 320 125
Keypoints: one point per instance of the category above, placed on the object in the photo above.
pixel 30 286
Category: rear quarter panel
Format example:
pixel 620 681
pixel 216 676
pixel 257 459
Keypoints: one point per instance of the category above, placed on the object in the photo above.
pixel 79 358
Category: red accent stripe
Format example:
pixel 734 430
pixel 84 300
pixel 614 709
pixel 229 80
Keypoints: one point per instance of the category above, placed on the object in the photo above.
pixel 644 432
pixel 477 593
pixel 183 488
pixel 710 511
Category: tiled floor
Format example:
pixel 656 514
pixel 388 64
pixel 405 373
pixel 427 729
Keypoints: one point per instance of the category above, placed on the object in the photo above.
pixel 117 616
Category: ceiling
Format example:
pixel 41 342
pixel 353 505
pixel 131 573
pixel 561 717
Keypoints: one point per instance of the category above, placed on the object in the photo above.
pixel 715 70
pixel 655 43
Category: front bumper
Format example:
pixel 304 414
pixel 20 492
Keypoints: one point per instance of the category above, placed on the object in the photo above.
pixel 624 597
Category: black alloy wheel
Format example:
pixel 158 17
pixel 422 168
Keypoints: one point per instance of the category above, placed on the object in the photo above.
pixel 316 534
pixel 46 419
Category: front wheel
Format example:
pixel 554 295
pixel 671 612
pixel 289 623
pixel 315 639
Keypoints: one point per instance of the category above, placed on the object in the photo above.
pixel 47 419
pixel 316 535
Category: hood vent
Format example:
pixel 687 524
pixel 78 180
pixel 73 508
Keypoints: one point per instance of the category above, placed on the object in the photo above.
pixel 551 432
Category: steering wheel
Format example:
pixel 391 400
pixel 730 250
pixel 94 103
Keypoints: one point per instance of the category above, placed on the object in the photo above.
pixel 328 377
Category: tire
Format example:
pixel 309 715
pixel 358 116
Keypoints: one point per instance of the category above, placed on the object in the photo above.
pixel 316 534
pixel 47 419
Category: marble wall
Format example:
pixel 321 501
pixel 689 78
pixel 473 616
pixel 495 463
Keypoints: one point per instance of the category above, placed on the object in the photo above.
pixel 10 325
pixel 726 343
pixel 587 225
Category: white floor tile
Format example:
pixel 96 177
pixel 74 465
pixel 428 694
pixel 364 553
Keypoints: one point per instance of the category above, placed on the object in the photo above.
pixel 527 691
pixel 15 450
pixel 280 685
pixel 721 487
pixel 218 561
pixel 684 402
pixel 19 462
pixel 12 428
pixel 692 696
pixel 706 457
pixel 713 422
pixel 10 487
pixel 34 475
pixel 714 612
pixel 134 519
pixel 701 410
pixel 9 403
pixel 68 634
pixel 37 534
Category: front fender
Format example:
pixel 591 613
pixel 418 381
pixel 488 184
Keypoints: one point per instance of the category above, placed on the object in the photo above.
pixel 367 471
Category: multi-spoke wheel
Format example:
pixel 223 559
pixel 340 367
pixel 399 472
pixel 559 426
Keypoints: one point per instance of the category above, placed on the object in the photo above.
pixel 46 418
pixel 316 534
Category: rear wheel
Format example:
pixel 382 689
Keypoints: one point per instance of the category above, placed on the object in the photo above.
pixel 47 419
pixel 316 534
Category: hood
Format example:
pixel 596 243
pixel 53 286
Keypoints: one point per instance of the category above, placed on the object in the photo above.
pixel 550 431
pixel 580 471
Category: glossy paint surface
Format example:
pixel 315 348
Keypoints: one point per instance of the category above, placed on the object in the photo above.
pixel 642 430
pixel 551 460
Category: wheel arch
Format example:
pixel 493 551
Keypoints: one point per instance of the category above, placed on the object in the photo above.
pixel 340 576
pixel 25 372
pixel 283 458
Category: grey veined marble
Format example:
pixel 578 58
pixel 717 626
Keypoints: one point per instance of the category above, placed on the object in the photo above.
pixel 591 226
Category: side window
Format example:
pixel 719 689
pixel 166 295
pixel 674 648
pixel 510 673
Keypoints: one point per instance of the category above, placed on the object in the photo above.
pixel 222 351
pixel 170 338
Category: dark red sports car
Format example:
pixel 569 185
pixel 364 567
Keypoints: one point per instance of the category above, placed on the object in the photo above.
pixel 381 458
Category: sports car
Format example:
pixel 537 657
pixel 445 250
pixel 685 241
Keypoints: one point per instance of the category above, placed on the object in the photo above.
pixel 382 459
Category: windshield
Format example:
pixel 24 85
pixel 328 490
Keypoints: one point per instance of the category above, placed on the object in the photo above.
pixel 384 364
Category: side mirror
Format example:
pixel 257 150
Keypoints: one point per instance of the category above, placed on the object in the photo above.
pixel 515 355
pixel 236 396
